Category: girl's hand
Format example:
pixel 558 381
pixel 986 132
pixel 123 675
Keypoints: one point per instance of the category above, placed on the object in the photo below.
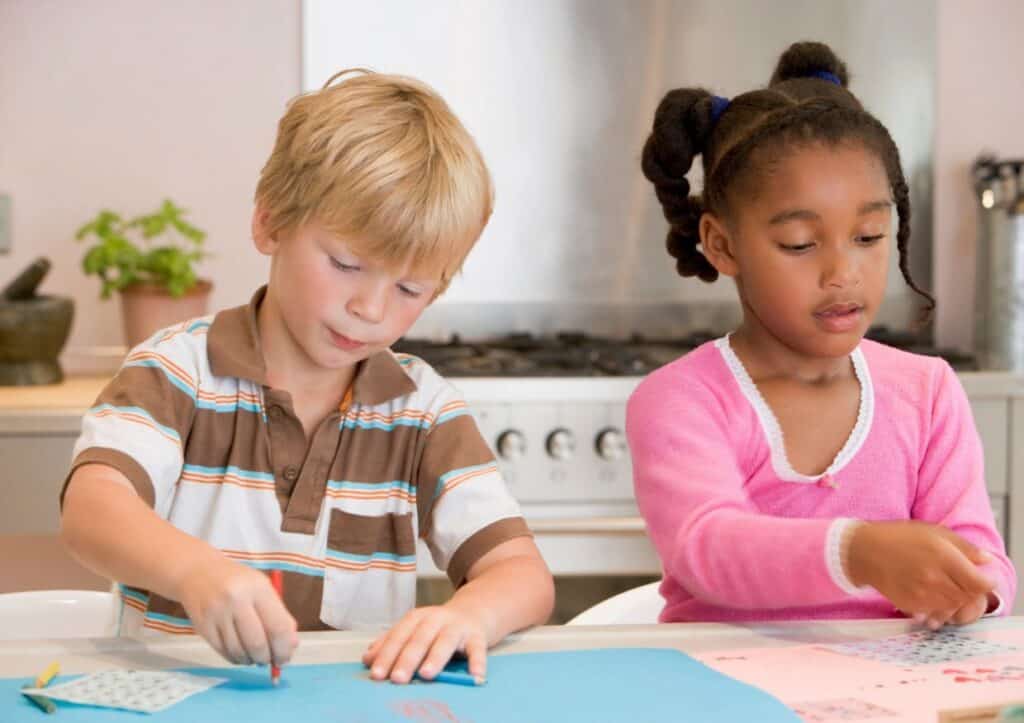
pixel 965 615
pixel 237 611
pixel 424 641
pixel 923 569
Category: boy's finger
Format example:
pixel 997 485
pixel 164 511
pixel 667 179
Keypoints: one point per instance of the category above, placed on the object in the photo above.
pixel 252 635
pixel 441 651
pixel 414 650
pixel 371 652
pixel 279 627
pixel 393 644
pixel 236 653
pixel 210 634
pixel 476 653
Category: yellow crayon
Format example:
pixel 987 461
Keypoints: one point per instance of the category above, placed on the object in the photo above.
pixel 47 675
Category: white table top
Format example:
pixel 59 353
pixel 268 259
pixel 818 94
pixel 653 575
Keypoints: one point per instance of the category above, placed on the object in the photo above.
pixel 29 657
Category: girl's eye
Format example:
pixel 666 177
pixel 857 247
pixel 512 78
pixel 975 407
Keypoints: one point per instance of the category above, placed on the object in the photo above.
pixel 343 267
pixel 870 240
pixel 796 248
pixel 409 291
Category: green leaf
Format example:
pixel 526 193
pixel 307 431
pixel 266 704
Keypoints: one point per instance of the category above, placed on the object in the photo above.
pixel 120 262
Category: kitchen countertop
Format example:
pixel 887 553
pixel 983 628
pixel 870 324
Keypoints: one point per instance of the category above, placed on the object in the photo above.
pixel 76 394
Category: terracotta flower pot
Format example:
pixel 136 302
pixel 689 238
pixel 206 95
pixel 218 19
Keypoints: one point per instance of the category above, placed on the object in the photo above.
pixel 146 308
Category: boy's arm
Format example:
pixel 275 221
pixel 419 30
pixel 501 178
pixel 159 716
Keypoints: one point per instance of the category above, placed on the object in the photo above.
pixel 508 589
pixel 110 529
pixel 475 533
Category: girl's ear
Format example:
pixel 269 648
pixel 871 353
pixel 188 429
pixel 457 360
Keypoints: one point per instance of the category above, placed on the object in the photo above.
pixel 264 242
pixel 717 245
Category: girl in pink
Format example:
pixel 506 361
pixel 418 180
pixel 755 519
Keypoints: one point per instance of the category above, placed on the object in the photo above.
pixel 794 469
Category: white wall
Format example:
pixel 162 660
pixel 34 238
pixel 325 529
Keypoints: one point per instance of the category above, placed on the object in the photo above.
pixel 560 96
pixel 108 103
pixel 980 98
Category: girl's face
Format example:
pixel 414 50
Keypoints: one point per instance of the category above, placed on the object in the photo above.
pixel 810 250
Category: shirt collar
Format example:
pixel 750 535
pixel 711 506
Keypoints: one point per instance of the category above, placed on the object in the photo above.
pixel 233 346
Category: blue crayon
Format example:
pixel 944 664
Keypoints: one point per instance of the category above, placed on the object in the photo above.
pixel 455 678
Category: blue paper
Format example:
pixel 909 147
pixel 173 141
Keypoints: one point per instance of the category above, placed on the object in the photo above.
pixel 586 686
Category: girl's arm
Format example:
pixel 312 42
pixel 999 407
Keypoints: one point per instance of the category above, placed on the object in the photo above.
pixel 689 486
pixel 951 482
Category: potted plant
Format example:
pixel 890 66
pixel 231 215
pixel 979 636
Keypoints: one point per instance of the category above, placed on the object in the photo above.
pixel 149 261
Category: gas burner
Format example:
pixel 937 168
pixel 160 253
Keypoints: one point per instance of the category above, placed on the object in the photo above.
pixel 576 354
pixel 566 354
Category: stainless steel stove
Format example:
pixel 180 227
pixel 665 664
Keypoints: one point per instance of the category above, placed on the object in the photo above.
pixel 553 409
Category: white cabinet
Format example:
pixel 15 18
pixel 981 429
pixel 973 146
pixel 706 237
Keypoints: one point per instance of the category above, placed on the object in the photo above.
pixel 34 467
pixel 35 451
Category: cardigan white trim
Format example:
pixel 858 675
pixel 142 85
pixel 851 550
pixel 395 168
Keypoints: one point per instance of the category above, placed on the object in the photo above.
pixel 773 431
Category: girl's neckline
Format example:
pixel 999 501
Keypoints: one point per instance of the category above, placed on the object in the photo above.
pixel 773 430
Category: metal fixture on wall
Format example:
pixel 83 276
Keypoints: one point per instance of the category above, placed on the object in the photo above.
pixel 560 95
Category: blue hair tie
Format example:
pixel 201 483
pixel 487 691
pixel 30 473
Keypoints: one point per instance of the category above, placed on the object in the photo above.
pixel 718 106
pixel 825 75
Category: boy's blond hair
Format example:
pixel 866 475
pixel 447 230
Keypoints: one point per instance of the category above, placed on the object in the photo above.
pixel 381 161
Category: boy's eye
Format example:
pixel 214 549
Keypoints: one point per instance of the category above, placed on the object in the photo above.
pixel 409 291
pixel 870 240
pixel 344 267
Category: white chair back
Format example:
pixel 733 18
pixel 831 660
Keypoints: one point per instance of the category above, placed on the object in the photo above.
pixel 58 614
pixel 637 606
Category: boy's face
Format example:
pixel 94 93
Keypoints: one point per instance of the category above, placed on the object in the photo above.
pixel 337 307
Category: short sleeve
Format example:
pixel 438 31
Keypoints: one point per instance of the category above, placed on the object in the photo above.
pixel 139 424
pixel 465 509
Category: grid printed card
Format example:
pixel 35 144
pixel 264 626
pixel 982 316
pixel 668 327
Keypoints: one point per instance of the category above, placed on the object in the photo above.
pixel 143 691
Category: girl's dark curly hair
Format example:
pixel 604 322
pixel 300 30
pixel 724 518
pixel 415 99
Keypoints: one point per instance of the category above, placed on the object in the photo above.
pixel 798 107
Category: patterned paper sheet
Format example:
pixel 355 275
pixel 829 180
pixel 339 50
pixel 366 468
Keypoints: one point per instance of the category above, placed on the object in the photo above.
pixel 143 691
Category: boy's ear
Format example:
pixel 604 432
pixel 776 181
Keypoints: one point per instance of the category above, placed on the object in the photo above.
pixel 264 242
pixel 717 245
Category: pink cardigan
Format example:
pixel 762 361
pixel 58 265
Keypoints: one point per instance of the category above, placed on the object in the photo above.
pixel 742 536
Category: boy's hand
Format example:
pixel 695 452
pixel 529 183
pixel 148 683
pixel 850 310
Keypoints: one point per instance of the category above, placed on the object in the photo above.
pixel 424 641
pixel 237 610
pixel 927 571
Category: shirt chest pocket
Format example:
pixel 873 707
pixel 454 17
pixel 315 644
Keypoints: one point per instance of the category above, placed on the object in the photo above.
pixel 370 570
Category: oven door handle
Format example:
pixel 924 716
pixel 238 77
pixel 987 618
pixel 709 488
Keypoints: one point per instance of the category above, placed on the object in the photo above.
pixel 588 526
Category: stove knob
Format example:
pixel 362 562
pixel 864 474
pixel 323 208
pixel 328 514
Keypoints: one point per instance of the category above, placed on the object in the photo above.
pixel 611 444
pixel 561 444
pixel 511 445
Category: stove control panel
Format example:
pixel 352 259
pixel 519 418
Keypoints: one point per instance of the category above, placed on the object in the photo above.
pixel 551 452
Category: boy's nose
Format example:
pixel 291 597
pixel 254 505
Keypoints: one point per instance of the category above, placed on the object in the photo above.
pixel 369 303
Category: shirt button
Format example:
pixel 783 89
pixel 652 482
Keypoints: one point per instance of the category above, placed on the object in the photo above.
pixel 275 413
pixel 290 473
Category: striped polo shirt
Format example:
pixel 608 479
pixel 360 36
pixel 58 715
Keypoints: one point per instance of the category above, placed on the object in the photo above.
pixel 190 421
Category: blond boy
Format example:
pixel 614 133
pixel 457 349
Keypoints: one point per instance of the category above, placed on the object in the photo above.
pixel 286 435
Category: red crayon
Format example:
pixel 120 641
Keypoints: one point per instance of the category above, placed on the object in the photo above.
pixel 277 580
